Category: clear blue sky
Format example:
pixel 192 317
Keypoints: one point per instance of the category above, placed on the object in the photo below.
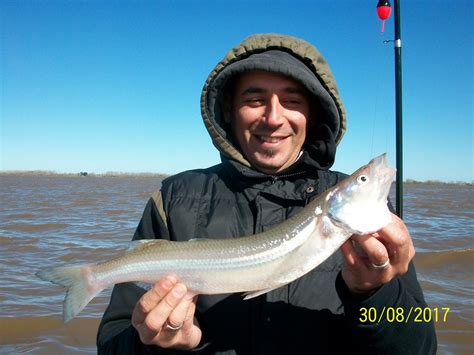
pixel 103 86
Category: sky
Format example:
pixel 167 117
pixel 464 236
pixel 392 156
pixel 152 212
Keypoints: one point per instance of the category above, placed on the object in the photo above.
pixel 102 86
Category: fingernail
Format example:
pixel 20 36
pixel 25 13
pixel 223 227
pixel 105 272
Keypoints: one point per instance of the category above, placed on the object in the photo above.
pixel 179 290
pixel 167 284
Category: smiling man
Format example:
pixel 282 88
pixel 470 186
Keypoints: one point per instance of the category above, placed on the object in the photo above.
pixel 273 111
pixel 268 114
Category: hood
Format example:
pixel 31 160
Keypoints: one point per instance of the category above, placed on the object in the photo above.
pixel 311 70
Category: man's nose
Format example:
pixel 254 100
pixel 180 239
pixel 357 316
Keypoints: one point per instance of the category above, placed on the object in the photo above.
pixel 274 112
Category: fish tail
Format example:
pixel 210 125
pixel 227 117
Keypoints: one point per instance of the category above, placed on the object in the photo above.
pixel 80 288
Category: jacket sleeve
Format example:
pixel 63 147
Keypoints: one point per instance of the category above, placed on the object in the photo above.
pixel 116 335
pixel 385 322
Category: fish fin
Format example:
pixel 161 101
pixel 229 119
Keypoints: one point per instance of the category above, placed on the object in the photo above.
pixel 143 243
pixel 80 290
pixel 252 294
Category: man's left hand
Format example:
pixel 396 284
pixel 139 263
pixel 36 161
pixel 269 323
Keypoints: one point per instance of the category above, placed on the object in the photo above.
pixel 375 259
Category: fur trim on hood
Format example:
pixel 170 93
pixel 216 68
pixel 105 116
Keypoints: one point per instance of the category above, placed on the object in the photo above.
pixel 292 57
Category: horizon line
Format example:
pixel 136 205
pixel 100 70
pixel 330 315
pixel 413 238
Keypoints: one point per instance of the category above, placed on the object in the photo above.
pixel 40 172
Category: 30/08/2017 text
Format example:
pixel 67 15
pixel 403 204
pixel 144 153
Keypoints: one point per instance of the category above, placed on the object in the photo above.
pixel 400 315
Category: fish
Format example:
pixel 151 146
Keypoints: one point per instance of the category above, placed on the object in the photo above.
pixel 252 265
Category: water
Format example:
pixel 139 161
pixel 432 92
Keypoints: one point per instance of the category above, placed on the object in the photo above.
pixel 52 220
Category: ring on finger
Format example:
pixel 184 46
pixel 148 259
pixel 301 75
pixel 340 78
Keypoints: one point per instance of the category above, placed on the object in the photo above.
pixel 172 327
pixel 381 266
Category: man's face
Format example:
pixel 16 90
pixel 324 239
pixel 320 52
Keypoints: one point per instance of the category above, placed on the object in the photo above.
pixel 269 118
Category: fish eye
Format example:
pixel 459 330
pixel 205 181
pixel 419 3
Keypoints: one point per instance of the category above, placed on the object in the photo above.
pixel 362 179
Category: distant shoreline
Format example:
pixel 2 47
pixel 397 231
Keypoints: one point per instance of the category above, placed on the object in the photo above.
pixel 47 173
pixel 82 174
pixel 436 182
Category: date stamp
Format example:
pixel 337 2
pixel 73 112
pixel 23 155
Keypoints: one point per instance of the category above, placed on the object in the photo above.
pixel 402 315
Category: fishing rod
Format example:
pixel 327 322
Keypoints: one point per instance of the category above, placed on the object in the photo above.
pixel 383 12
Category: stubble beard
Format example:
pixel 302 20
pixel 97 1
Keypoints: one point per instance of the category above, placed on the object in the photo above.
pixel 269 152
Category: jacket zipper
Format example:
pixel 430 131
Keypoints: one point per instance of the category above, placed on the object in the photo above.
pixel 275 178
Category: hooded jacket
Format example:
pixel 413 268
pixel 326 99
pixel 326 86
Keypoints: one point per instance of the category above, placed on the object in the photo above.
pixel 314 314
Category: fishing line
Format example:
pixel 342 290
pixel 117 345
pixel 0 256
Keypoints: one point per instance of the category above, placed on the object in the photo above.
pixel 376 105
pixel 380 72
pixel 374 119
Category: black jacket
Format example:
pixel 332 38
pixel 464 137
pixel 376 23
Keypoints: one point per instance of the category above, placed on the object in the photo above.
pixel 312 315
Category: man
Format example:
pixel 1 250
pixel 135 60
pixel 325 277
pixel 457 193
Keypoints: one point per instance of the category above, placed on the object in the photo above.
pixel 273 111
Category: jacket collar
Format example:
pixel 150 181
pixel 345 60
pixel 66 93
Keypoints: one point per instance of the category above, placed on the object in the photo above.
pixel 304 166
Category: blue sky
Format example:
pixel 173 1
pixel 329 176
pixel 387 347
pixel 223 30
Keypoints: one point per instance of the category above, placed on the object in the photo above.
pixel 104 86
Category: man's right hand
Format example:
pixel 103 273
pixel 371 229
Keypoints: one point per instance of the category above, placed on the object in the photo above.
pixel 166 306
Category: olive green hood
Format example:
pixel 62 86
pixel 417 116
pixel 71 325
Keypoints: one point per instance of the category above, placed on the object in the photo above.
pixel 331 116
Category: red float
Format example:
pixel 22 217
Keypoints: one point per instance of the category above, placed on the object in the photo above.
pixel 383 11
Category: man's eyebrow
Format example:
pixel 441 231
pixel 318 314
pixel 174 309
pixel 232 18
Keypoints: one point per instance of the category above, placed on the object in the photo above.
pixel 294 90
pixel 253 90
pixel 260 90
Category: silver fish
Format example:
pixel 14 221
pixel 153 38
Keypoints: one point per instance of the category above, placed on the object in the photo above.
pixel 253 264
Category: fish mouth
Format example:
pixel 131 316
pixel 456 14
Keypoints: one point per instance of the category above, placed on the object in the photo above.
pixel 386 174
pixel 380 162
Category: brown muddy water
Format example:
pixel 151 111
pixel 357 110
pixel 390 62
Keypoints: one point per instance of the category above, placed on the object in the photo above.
pixel 55 220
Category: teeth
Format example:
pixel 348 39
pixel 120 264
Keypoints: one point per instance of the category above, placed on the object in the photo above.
pixel 270 139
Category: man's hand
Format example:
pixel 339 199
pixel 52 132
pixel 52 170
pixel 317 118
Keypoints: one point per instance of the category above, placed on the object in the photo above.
pixel 375 259
pixel 164 316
